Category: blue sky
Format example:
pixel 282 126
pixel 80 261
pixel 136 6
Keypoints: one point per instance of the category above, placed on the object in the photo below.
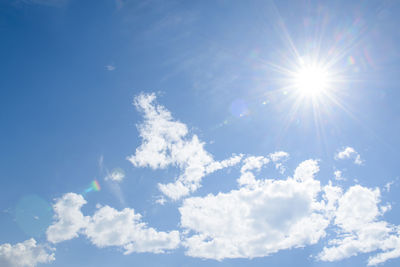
pixel 192 133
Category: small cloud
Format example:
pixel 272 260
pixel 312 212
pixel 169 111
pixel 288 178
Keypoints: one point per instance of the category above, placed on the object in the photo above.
pixel 117 175
pixel 338 176
pixel 161 200
pixel 388 186
pixel 110 67
pixel 385 208
pixel 278 158
pixel 349 153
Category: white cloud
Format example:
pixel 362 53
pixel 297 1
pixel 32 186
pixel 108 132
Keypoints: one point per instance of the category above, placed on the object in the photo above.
pixel 117 175
pixel 250 164
pixel 391 253
pixel 278 158
pixel 108 227
pixel 360 231
pixel 219 165
pixel 331 195
pixel 357 207
pixel 349 153
pixel 306 170
pixel 160 200
pixel 160 134
pixel 167 142
pixel 339 176
pixel 278 155
pixel 69 218
pixel 25 254
pixel 258 219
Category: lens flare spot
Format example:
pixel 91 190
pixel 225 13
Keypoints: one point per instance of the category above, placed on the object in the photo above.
pixel 33 215
pixel 239 108
pixel 94 186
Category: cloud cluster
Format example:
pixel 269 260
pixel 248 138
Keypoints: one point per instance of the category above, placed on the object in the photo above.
pixel 25 254
pixel 108 227
pixel 258 218
pixel 261 216
pixel 360 230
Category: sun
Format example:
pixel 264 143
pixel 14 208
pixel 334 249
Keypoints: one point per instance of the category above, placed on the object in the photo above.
pixel 311 80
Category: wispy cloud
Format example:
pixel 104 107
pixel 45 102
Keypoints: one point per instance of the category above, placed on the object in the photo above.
pixel 116 175
pixel 110 67
pixel 388 186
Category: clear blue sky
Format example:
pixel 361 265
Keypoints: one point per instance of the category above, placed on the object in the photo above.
pixel 217 132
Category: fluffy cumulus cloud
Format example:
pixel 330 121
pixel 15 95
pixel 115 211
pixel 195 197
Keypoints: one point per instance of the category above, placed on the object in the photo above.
pixel 25 254
pixel 349 153
pixel 257 219
pixel 360 230
pixel 108 227
pixel 167 142
pixel 69 219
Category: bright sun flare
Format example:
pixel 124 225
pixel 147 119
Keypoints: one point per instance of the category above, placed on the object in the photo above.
pixel 311 81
